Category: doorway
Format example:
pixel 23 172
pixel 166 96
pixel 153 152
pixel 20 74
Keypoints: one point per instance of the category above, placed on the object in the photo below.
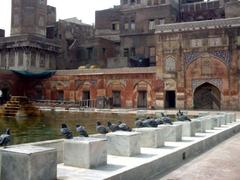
pixel 170 99
pixel 142 99
pixel 86 98
pixel 207 96
pixel 5 95
pixel 60 95
pixel 116 101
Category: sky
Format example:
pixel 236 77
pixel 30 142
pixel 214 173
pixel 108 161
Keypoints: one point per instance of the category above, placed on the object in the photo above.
pixel 84 10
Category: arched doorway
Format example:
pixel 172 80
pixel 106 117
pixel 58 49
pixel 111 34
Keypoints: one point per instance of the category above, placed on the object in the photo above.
pixel 207 96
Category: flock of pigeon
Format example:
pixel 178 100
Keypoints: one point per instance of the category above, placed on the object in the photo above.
pixel 111 127
pixel 120 126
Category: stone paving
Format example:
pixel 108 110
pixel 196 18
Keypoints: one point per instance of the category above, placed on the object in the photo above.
pixel 219 163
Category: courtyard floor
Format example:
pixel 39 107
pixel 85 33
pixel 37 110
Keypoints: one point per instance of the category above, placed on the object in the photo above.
pixel 219 163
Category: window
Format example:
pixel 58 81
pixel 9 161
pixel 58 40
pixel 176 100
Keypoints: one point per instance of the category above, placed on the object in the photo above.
pixel 132 1
pixel 115 26
pixel 152 24
pixel 161 21
pixel 20 59
pixel 152 51
pixel 156 2
pixel 3 59
pixel 42 61
pixel 104 51
pixel 126 26
pixel 152 56
pixel 170 64
pixel 126 52
pixel 133 52
pixel 125 1
pixel 89 53
pixel 138 1
pixel 132 25
pixel 33 59
pixel 163 2
pixel 12 59
pixel 149 3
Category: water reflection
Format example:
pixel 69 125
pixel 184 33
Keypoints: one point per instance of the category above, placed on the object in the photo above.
pixel 26 130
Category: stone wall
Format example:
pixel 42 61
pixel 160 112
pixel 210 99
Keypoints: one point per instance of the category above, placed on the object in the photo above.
pixel 29 17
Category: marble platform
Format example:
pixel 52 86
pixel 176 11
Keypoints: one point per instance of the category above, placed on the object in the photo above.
pixel 123 143
pixel 172 132
pixel 28 163
pixel 151 137
pixel 152 161
pixel 85 152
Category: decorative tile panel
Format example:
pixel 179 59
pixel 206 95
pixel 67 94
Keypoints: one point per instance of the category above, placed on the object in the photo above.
pixel 216 82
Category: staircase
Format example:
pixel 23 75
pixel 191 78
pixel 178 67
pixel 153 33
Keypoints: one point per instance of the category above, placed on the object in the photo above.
pixel 19 106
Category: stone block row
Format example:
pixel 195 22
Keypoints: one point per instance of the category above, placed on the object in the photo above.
pixel 32 162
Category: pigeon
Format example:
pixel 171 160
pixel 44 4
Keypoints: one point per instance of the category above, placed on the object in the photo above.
pixel 66 132
pixel 5 138
pixel 182 117
pixel 82 131
pixel 113 127
pixel 100 128
pixel 138 123
pixel 123 126
pixel 149 123
pixel 166 119
pixel 159 121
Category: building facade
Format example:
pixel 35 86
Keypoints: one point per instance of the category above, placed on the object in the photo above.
pixel 150 54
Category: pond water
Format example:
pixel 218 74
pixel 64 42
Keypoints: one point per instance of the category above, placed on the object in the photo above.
pixel 48 126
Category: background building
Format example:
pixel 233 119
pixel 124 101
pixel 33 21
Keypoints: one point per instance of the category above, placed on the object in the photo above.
pixel 141 54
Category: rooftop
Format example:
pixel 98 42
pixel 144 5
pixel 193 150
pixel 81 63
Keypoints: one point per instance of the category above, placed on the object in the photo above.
pixel 149 70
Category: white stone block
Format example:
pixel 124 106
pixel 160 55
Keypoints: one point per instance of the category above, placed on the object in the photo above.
pixel 222 119
pixel 216 121
pixel 200 125
pixel 173 132
pixel 122 143
pixel 151 137
pixel 209 123
pixel 234 117
pixel 228 118
pixel 188 128
pixel 85 152
pixel 28 163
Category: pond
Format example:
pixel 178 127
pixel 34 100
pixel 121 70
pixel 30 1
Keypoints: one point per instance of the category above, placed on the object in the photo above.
pixel 48 126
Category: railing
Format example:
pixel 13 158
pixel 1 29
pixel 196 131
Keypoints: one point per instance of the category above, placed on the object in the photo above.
pixel 208 24
pixel 65 104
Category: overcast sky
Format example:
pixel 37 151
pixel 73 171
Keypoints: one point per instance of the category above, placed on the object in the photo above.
pixel 84 10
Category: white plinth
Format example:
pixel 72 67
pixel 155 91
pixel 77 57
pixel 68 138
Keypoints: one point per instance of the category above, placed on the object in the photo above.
pixel 188 128
pixel 209 123
pixel 216 121
pixel 222 119
pixel 122 143
pixel 28 163
pixel 173 132
pixel 85 152
pixel 200 125
pixel 151 137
